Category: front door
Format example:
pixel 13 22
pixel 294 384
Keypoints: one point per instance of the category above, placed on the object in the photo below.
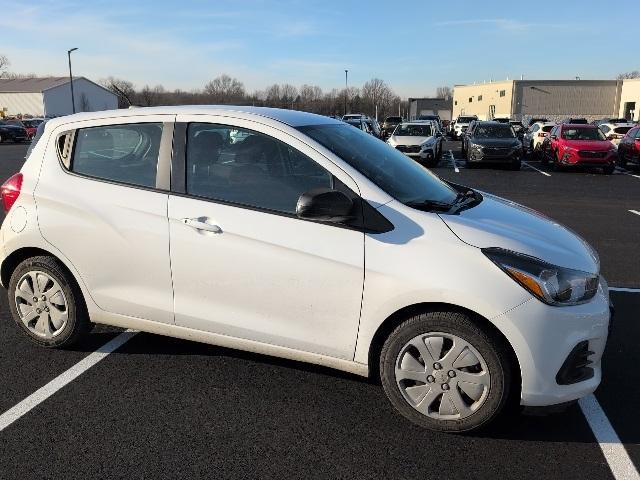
pixel 243 264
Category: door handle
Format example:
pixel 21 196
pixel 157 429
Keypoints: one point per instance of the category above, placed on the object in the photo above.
pixel 200 223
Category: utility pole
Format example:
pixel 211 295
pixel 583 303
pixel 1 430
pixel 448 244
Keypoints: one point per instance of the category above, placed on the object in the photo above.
pixel 73 101
pixel 346 89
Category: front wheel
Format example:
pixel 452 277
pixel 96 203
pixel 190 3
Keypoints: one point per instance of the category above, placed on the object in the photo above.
pixel 46 303
pixel 516 164
pixel 443 372
pixel 609 169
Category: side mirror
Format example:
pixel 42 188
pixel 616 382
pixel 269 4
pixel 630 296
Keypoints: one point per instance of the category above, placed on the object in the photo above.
pixel 324 204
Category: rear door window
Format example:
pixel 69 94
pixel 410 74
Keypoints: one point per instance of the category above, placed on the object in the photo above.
pixel 121 153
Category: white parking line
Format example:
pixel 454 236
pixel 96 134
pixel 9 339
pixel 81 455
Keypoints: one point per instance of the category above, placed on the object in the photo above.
pixel 40 395
pixel 537 170
pixel 626 172
pixel 453 161
pixel 614 452
pixel 622 289
pixel 635 211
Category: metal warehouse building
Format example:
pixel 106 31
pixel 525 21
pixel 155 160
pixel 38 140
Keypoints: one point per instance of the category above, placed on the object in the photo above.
pixel 553 99
pixel 430 106
pixel 51 96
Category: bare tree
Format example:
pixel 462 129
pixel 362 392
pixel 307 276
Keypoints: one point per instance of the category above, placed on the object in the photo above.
pixel 627 75
pixel 4 65
pixel 123 89
pixel 224 89
pixel 444 92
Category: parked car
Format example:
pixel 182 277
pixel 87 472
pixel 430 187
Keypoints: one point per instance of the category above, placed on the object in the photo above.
pixel 491 142
pixel 534 136
pixel 575 121
pixel 389 125
pixel 462 122
pixel 435 118
pixel 615 131
pixel 465 136
pixel 629 148
pixel 360 123
pixel 536 120
pixel 26 124
pixel 578 144
pixel 470 303
pixel 374 127
pixel 518 128
pixel 15 133
pixel 353 116
pixel 597 123
pixel 421 141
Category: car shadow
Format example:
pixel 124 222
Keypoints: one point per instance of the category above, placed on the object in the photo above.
pixel 360 393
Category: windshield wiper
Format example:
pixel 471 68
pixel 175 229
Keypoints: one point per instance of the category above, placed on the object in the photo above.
pixel 431 205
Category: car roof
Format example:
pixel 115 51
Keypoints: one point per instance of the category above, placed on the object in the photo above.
pixel 577 125
pixel 292 118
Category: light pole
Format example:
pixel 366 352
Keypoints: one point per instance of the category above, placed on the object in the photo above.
pixel 73 102
pixel 346 89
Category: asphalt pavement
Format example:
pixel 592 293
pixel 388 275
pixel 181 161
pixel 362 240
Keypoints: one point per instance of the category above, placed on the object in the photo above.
pixel 165 408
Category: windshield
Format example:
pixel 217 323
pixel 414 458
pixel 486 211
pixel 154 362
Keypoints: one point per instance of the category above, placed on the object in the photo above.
pixel 355 123
pixel 465 119
pixel 392 171
pixel 547 128
pixel 412 131
pixel 622 129
pixel 583 134
pixel 494 131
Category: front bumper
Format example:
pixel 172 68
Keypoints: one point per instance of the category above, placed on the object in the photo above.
pixel 575 158
pixel 476 156
pixel 543 337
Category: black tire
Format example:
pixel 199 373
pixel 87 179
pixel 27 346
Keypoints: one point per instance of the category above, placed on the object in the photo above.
pixel 622 160
pixel 491 347
pixel 609 169
pixel 555 165
pixel 516 164
pixel 78 323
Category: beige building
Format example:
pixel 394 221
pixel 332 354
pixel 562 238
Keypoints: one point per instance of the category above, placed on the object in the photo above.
pixel 630 100
pixel 553 99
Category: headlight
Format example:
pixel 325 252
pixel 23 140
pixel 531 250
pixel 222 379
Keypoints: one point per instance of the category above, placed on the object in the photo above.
pixel 551 284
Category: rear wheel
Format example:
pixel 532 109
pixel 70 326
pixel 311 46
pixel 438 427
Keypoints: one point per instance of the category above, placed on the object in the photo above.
pixel 46 303
pixel 443 372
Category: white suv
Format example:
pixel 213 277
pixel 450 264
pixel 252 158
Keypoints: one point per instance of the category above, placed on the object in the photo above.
pixel 462 123
pixel 296 235
pixel 535 135
pixel 615 131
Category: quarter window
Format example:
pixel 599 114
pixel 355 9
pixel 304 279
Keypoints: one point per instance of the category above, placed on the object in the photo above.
pixel 249 168
pixel 122 153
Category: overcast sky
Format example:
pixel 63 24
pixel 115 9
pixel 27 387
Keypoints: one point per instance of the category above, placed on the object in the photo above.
pixel 413 45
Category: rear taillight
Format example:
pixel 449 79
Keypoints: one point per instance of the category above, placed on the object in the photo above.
pixel 542 134
pixel 10 191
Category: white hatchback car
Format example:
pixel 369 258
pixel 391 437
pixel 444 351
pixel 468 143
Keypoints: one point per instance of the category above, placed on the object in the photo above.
pixel 535 135
pixel 306 239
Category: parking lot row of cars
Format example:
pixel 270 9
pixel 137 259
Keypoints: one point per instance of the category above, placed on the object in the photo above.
pixel 18 130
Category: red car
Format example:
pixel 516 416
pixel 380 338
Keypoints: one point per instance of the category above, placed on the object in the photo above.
pixel 578 144
pixel 629 147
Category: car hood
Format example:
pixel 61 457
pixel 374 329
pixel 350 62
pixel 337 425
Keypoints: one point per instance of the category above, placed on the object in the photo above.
pixel 497 222
pixel 495 142
pixel 595 145
pixel 410 140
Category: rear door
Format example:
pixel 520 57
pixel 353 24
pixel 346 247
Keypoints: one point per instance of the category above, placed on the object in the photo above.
pixel 243 264
pixel 102 203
